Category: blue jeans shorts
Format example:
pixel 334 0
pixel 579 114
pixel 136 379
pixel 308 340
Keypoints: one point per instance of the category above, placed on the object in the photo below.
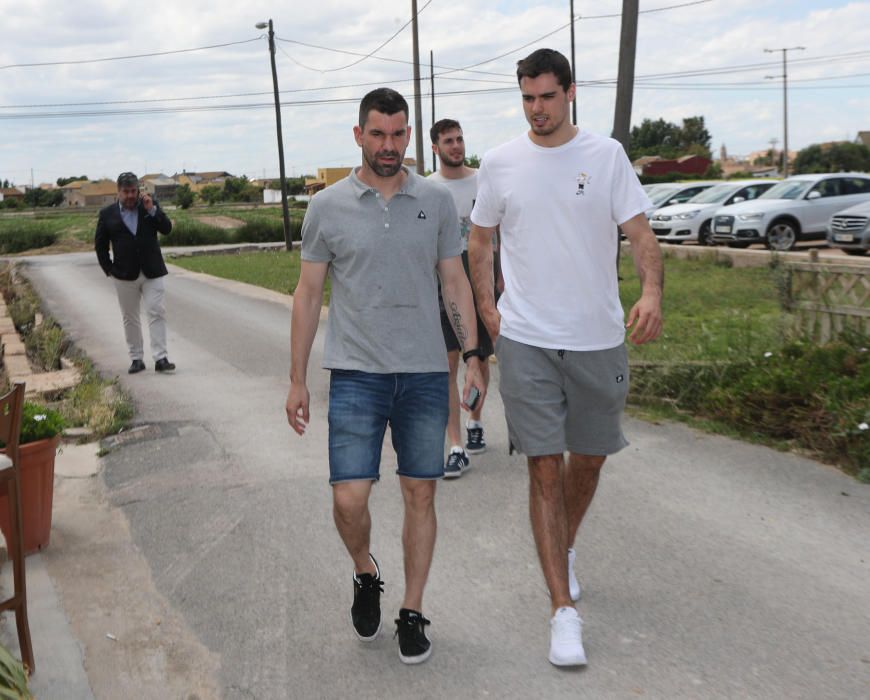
pixel 363 404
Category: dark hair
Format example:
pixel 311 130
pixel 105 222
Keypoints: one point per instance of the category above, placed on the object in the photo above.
pixel 441 126
pixel 545 61
pixel 127 180
pixel 383 100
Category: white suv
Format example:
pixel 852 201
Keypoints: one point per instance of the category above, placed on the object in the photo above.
pixel 692 221
pixel 795 209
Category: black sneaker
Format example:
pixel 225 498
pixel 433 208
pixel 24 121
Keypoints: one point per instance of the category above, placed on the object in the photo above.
pixel 414 645
pixel 366 610
pixel 164 365
pixel 457 463
pixel 475 443
pixel 136 366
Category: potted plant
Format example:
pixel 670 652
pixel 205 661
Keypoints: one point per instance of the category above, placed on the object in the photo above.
pixel 41 428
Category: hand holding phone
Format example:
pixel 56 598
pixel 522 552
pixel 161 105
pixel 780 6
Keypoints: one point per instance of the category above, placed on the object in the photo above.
pixel 473 398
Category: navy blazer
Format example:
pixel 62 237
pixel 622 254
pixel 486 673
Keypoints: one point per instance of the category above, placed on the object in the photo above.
pixel 132 254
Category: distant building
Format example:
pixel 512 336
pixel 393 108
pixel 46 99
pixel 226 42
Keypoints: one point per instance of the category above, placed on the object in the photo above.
pixel 325 178
pixel 159 186
pixel 100 193
pixel 685 165
pixel 72 193
pixel 11 193
pixel 863 138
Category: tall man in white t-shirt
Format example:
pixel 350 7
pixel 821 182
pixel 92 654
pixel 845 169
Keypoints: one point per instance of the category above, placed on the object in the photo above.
pixel 448 144
pixel 558 194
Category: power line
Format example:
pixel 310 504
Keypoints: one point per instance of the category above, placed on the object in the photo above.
pixel 125 58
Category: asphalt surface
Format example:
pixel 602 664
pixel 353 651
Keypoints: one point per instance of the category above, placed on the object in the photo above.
pixel 710 568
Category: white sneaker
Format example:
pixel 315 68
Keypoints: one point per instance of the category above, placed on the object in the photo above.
pixel 566 639
pixel 573 584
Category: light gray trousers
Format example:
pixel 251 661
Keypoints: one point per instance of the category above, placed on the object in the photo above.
pixel 149 292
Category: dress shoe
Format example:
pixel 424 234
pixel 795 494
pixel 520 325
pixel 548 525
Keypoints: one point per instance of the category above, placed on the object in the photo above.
pixel 164 365
pixel 137 366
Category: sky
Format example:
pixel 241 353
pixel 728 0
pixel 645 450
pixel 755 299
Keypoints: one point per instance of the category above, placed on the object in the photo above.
pixel 213 108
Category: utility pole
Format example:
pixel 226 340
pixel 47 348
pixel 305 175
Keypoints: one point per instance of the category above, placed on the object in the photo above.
pixel 432 97
pixel 573 69
pixel 784 77
pixel 285 209
pixel 418 103
pixel 625 77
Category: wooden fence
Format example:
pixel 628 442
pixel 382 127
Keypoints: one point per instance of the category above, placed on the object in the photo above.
pixel 828 299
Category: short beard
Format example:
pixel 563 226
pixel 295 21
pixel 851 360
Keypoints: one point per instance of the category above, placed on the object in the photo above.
pixel 384 170
pixel 450 163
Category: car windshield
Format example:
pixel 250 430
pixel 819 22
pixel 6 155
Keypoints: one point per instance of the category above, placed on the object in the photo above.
pixel 788 189
pixel 659 196
pixel 714 195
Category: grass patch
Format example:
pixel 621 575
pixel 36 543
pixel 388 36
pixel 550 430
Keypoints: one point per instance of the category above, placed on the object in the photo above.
pixel 275 269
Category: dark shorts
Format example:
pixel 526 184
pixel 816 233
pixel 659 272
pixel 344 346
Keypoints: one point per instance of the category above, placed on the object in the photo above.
pixel 557 400
pixel 363 404
pixel 484 342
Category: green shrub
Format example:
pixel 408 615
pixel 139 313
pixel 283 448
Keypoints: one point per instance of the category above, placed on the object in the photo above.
pixel 23 310
pixel 27 235
pixel 99 404
pixel 261 231
pixel 45 343
pixel 13 677
pixel 39 423
pixel 195 233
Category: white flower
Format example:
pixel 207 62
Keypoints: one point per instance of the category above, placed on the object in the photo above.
pixel 768 354
pixel 863 426
pixel 39 417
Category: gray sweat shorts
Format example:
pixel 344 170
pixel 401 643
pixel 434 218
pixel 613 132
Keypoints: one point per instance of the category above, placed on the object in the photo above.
pixel 557 400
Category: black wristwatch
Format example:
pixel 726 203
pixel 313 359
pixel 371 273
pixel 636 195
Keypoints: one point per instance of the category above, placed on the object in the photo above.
pixel 474 352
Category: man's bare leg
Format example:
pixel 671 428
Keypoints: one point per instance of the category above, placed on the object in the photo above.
pixel 350 510
pixel 418 537
pixel 550 524
pixel 580 481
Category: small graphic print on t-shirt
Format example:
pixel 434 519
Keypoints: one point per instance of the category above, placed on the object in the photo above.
pixel 582 180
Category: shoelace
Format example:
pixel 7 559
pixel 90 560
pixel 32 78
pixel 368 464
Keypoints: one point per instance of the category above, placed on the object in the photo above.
pixel 411 622
pixel 475 434
pixel 368 586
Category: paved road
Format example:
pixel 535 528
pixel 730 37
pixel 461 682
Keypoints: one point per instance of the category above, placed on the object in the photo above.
pixel 711 568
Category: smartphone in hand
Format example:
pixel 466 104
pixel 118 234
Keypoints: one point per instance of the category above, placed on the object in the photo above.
pixel 473 398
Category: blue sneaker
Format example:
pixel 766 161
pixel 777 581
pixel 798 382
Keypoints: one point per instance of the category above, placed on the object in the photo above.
pixel 457 463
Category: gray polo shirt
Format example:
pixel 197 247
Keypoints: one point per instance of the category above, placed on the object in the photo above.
pixel 383 312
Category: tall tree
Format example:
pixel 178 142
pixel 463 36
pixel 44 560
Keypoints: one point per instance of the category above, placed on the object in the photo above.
pixel 832 158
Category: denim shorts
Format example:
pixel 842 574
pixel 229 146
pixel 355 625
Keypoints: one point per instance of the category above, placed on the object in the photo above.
pixel 363 404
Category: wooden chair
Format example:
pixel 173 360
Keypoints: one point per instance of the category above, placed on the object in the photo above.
pixel 11 406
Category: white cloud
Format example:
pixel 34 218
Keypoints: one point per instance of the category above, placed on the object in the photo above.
pixel 708 35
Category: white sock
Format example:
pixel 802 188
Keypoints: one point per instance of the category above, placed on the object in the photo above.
pixel 473 424
pixel 457 449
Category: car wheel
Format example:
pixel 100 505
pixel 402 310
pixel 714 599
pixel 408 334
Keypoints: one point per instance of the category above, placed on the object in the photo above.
pixel 782 235
pixel 853 252
pixel 704 234
pixel 738 245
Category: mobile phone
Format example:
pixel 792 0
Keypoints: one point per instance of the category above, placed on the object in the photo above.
pixel 473 398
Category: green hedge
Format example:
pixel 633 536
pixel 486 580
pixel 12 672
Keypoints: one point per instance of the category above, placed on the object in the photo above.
pixel 196 233
pixel 27 235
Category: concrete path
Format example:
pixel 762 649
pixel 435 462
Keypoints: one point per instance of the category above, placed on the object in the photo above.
pixel 711 568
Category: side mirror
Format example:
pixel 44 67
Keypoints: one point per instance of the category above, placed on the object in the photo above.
pixel 815 194
pixel 738 199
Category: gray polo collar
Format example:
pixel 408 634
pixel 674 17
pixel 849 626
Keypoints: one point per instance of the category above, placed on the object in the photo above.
pixel 360 188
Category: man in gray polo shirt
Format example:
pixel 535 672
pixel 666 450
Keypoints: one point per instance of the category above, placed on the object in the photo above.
pixel 383 234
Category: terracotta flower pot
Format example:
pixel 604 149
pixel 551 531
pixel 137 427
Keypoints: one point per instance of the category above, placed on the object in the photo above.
pixel 37 494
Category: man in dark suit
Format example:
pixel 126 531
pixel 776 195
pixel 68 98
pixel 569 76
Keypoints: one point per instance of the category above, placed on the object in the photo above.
pixel 131 226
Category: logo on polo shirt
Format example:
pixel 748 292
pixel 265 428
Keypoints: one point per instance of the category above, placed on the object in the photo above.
pixel 421 215
pixel 582 180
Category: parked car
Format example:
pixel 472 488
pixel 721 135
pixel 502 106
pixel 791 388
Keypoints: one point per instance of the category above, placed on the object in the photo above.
pixel 692 220
pixel 676 193
pixel 793 210
pixel 850 229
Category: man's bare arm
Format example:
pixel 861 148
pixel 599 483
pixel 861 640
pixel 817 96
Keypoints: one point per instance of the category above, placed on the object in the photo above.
pixel 645 317
pixel 480 263
pixel 307 300
pixel 459 304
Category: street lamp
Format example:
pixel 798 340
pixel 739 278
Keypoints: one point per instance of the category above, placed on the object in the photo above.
pixel 784 77
pixel 286 211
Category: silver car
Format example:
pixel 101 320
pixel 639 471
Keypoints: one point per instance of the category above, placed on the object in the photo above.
pixel 692 220
pixel 669 193
pixel 795 209
pixel 850 229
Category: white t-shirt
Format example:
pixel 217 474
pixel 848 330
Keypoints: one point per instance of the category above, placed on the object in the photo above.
pixel 558 209
pixel 464 192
